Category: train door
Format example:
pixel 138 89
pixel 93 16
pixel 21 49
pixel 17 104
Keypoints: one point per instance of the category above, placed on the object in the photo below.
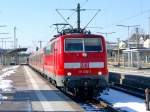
pixel 53 58
pixel 56 58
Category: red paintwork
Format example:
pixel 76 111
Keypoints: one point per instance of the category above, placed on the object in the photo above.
pixel 54 62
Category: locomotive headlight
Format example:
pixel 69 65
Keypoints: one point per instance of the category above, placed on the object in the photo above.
pixel 84 54
pixel 85 83
pixel 69 73
pixel 99 73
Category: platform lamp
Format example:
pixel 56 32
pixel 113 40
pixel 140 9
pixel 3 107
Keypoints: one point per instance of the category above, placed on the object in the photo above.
pixel 118 39
pixel 2 55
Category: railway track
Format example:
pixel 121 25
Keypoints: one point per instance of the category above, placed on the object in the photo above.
pixel 138 92
pixel 90 105
pixel 102 105
pixel 98 105
pixel 94 104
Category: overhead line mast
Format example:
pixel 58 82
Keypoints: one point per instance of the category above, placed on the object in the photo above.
pixel 78 16
pixel 78 10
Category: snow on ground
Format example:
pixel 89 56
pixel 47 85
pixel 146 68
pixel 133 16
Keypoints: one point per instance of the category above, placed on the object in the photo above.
pixel 6 85
pixel 10 68
pixel 124 101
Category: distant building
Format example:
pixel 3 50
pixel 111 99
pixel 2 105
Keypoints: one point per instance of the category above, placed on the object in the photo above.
pixel 147 43
pixel 122 45
pixel 137 41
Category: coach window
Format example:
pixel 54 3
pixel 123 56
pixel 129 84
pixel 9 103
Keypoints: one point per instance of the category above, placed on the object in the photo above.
pixel 73 45
pixel 52 47
pixel 92 44
pixel 47 49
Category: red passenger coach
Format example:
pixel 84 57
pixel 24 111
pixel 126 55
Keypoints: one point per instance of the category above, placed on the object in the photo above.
pixel 75 62
pixel 36 60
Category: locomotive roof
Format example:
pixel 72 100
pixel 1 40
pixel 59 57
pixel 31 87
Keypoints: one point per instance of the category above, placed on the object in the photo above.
pixel 76 35
pixel 74 32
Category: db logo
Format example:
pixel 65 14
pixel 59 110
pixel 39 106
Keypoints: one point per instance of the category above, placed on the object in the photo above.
pixel 84 65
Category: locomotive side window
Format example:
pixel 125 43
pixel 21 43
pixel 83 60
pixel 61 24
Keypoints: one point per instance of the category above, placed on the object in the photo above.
pixel 92 44
pixel 73 45
pixel 47 49
pixel 52 47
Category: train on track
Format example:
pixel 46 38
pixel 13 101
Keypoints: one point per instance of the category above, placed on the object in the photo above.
pixel 75 61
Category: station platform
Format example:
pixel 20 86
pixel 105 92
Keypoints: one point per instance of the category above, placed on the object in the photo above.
pixel 131 71
pixel 139 78
pixel 28 92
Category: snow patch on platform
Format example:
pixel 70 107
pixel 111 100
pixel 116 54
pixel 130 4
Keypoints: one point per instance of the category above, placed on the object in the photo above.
pixel 6 85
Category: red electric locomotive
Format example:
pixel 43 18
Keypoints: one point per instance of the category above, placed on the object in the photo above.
pixel 76 62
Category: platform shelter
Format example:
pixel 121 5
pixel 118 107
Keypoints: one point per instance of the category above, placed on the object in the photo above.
pixel 138 58
pixel 14 56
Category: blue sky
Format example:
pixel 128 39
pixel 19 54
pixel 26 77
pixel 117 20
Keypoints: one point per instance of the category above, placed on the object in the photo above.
pixel 33 18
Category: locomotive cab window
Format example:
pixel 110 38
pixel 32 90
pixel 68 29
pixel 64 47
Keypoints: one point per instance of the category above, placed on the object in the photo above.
pixel 73 45
pixel 92 44
pixel 83 45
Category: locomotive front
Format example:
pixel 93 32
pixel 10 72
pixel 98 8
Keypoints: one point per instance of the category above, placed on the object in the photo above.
pixel 85 64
